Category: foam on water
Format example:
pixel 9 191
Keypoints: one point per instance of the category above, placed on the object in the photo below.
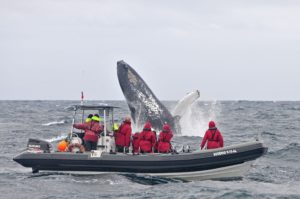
pixel 55 123
pixel 57 138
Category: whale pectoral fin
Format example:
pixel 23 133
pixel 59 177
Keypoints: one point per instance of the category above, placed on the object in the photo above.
pixel 185 103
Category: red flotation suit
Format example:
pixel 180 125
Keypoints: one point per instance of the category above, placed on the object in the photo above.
pixel 164 140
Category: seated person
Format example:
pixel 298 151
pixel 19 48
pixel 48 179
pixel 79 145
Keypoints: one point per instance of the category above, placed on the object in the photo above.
pixel 122 136
pixel 147 139
pixel 164 140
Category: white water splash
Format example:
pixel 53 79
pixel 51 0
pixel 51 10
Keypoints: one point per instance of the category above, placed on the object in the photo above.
pixel 57 138
pixel 55 123
pixel 195 120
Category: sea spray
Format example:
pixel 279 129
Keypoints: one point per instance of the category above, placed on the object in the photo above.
pixel 195 120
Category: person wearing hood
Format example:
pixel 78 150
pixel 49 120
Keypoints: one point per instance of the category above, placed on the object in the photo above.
pixel 122 136
pixel 147 139
pixel 89 118
pixel 213 137
pixel 92 130
pixel 164 140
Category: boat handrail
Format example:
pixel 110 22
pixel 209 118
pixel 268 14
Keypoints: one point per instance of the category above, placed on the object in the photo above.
pixel 91 107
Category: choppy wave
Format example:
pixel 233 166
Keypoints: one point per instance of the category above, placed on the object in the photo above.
pixel 275 175
pixel 288 150
pixel 295 108
pixel 55 123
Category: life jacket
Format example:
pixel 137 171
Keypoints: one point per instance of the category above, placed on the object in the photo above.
pixel 92 130
pixel 164 142
pixel 213 138
pixel 147 141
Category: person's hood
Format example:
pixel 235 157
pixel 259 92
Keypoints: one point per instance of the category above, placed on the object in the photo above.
pixel 166 128
pixel 147 126
pixel 211 125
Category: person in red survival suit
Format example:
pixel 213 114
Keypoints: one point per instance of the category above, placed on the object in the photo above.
pixel 122 136
pixel 135 143
pixel 147 139
pixel 164 140
pixel 213 137
pixel 92 130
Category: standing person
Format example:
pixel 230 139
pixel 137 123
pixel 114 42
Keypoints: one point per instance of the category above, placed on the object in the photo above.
pixel 147 139
pixel 122 136
pixel 92 130
pixel 213 137
pixel 164 140
pixel 81 134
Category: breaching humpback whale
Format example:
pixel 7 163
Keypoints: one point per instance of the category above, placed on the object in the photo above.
pixel 144 105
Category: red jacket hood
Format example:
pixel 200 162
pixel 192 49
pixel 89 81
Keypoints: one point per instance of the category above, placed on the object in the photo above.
pixel 166 128
pixel 147 126
pixel 212 125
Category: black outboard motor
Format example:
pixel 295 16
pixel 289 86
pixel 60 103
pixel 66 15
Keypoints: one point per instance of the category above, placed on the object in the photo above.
pixel 38 146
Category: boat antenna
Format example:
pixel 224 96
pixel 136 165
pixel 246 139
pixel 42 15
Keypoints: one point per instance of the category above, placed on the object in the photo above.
pixel 74 113
pixel 73 122
pixel 82 97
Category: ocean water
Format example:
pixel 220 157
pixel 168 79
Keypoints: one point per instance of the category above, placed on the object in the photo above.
pixel 275 175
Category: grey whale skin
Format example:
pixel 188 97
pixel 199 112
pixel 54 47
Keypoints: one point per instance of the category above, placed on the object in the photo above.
pixel 143 104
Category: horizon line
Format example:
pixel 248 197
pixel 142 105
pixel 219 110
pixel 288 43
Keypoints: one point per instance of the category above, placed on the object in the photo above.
pixel 257 100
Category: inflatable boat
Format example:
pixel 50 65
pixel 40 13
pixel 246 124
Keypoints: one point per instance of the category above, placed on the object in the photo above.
pixel 227 162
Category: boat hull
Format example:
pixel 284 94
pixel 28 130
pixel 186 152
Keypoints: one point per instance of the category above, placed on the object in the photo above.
pixel 230 161
pixel 227 172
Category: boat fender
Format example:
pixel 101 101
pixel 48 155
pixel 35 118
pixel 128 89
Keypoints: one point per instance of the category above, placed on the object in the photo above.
pixel 62 146
pixel 72 147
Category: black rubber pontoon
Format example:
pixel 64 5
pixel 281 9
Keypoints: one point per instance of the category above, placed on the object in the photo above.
pixel 150 163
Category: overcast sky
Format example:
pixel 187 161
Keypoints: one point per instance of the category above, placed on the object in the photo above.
pixel 229 50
